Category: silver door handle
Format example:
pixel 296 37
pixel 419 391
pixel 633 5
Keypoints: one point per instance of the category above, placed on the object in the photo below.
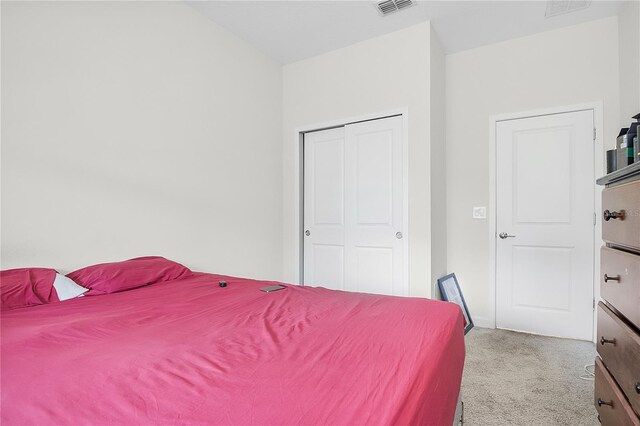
pixel 307 233
pixel 399 235
pixel 504 235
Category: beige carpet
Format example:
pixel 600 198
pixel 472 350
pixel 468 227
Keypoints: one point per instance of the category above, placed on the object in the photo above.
pixel 521 379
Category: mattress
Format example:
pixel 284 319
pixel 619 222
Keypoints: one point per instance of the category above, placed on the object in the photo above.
pixel 191 352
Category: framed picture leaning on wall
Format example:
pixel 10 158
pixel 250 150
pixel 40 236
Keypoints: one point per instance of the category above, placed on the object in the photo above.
pixel 450 291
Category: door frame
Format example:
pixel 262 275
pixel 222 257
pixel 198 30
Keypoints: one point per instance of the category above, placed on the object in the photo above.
pixel 598 168
pixel 298 184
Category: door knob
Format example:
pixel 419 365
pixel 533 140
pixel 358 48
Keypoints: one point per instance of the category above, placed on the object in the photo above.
pixel 399 235
pixel 307 233
pixel 504 235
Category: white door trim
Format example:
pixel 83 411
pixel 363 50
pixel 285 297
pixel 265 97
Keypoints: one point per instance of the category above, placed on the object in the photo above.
pixel 298 174
pixel 599 170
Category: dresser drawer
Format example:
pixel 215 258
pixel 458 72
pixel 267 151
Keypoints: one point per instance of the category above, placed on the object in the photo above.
pixel 612 407
pixel 620 282
pixel 619 348
pixel 621 215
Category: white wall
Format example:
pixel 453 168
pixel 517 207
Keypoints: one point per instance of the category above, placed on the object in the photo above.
pixel 563 67
pixel 629 39
pixel 383 73
pixel 137 128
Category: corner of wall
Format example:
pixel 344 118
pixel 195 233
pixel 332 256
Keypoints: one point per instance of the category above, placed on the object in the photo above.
pixel 437 121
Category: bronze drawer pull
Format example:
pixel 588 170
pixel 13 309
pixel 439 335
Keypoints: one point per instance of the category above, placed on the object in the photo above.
pixel 601 403
pixel 638 387
pixel 613 215
pixel 607 278
pixel 603 341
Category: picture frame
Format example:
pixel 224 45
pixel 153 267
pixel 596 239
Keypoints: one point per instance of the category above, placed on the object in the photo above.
pixel 450 290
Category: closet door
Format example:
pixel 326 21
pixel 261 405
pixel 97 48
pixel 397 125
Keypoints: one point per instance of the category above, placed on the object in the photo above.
pixel 353 208
pixel 324 187
pixel 373 207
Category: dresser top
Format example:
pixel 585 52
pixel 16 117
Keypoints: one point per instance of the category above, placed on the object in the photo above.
pixel 625 174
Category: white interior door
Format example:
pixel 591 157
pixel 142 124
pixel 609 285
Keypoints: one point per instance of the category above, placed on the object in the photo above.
pixel 545 225
pixel 324 214
pixel 373 203
pixel 353 208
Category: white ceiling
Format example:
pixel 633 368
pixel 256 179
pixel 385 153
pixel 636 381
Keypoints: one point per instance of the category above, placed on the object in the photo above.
pixel 289 31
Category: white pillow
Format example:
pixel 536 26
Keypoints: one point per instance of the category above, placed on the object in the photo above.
pixel 66 288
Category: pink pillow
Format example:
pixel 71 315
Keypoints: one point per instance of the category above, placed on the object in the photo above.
pixel 27 287
pixel 108 278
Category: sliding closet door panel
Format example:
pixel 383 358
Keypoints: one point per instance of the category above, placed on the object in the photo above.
pixel 374 207
pixel 324 187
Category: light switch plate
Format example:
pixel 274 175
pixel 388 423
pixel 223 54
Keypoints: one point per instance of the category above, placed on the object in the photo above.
pixel 479 213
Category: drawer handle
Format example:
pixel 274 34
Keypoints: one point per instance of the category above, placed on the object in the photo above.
pixel 613 215
pixel 601 403
pixel 607 278
pixel 638 387
pixel 603 341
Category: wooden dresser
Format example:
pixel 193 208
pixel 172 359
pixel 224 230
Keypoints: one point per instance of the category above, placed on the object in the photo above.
pixel 617 382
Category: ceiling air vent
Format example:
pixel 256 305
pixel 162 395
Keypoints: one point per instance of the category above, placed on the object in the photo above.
pixel 560 7
pixel 404 3
pixel 386 7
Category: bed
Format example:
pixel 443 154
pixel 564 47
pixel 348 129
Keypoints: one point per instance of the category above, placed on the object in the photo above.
pixel 187 351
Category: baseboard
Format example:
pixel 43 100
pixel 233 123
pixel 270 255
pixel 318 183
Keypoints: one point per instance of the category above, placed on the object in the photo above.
pixel 482 322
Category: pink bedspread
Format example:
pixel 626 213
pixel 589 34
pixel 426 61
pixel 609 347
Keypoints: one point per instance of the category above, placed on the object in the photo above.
pixel 190 352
